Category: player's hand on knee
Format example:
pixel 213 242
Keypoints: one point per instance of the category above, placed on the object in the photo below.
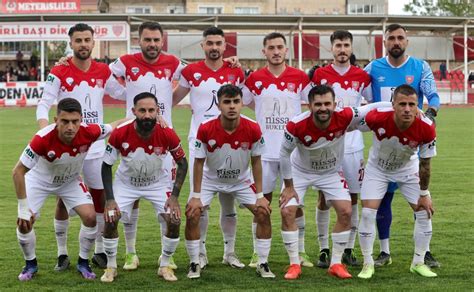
pixel 194 205
pixel 264 204
pixel 286 195
pixel 172 205
pixel 425 203
pixel 111 211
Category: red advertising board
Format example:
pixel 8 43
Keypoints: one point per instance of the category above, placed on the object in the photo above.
pixel 40 6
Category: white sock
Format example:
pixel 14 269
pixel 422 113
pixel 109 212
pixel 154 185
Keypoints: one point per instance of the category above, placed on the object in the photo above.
pixel 354 224
pixel 228 220
pixel 254 236
pixel 130 231
pixel 203 224
pixel 339 243
pixel 385 245
pixel 263 249
pixel 300 223
pixel 422 235
pixel 322 221
pixel 367 234
pixel 192 246
pixel 60 228
pixel 168 247
pixel 27 243
pixel 110 249
pixel 290 239
pixel 99 245
pixel 87 237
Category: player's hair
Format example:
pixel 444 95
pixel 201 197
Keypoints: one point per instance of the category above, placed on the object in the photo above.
pixel 144 95
pixel 151 25
pixel 229 90
pixel 213 31
pixel 393 27
pixel 403 89
pixel 69 105
pixel 80 27
pixel 320 90
pixel 272 36
pixel 340 35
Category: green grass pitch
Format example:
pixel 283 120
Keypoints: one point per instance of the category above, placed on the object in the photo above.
pixel 451 187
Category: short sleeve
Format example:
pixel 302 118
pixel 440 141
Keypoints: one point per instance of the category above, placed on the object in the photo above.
pixel 29 157
pixel 118 68
pixel 258 146
pixel 289 137
pixel 174 145
pixel 200 146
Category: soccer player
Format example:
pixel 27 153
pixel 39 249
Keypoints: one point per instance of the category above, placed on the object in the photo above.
pixel 348 82
pixel 86 81
pixel 224 146
pixel 202 80
pixel 403 144
pixel 387 73
pixel 143 145
pixel 317 136
pixel 276 92
pixel 51 164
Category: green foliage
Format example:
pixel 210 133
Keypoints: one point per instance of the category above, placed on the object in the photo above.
pixel 451 187
pixel 463 8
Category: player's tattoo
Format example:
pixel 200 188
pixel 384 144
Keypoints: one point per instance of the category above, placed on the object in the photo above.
pixel 425 173
pixel 181 171
pixel 107 181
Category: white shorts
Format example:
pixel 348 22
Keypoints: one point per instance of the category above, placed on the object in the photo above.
pixel 270 171
pixel 191 164
pixel 91 172
pixel 375 183
pixel 126 196
pixel 73 194
pixel 353 169
pixel 244 193
pixel 332 185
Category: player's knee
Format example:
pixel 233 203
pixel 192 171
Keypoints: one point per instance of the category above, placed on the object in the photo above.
pixel 193 218
pixel 261 216
pixel 24 229
pixel 288 213
pixel 344 215
pixel 89 219
pixel 110 229
pixel 173 228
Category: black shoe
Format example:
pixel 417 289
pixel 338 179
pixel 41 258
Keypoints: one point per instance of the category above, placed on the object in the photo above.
pixel 324 259
pixel 63 263
pixel 430 261
pixel 100 260
pixel 384 259
pixel 349 258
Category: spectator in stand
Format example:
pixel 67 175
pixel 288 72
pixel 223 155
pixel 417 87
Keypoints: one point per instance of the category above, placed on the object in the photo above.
pixel 442 71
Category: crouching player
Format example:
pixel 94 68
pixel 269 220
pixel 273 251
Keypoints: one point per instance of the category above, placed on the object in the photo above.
pixel 223 148
pixel 143 146
pixel 51 164
pixel 399 133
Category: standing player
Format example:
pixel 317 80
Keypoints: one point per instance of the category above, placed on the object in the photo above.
pixel 403 145
pixel 86 81
pixel 318 136
pixel 277 92
pixel 348 82
pixel 143 147
pixel 387 73
pixel 202 80
pixel 51 164
pixel 224 145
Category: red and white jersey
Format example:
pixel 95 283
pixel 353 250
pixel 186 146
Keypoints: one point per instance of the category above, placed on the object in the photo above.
pixel 54 163
pixel 141 165
pixel 156 78
pixel 203 84
pixel 228 155
pixel 277 100
pixel 395 151
pixel 318 151
pixel 348 88
pixel 86 87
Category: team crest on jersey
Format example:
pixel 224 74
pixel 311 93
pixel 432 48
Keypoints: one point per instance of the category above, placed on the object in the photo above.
pixel 167 73
pixel 135 70
pixel 244 145
pixel 83 148
pixel 291 87
pixel 125 145
pixel 51 154
pixel 381 131
pixel 409 79
pixel 69 80
pixel 197 76
pixel 307 138
pixel 355 85
pixel 212 143
pixel 158 150
pixel 100 83
pixel 258 84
